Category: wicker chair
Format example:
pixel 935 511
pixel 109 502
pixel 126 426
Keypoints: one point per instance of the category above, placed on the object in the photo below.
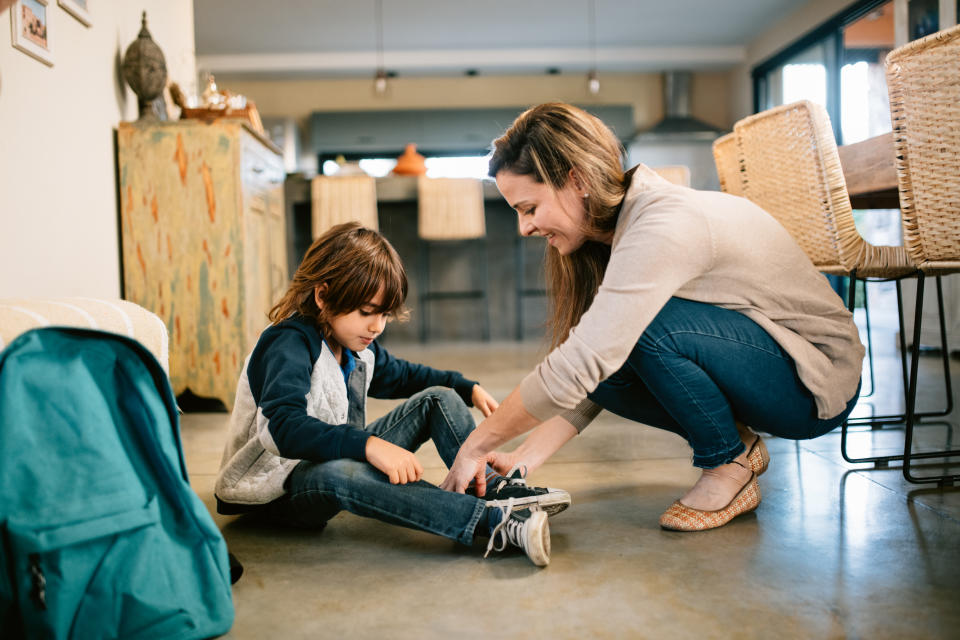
pixel 451 211
pixel 728 164
pixel 791 168
pixel 675 173
pixel 924 83
pixel 339 199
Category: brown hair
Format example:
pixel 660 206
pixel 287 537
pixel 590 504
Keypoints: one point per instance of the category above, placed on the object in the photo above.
pixel 545 143
pixel 354 263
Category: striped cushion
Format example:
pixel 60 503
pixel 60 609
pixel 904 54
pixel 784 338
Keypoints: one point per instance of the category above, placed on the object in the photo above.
pixel 117 316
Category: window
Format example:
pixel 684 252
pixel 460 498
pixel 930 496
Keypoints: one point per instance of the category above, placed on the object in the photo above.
pixel 924 18
pixel 437 166
pixel 840 65
pixel 864 103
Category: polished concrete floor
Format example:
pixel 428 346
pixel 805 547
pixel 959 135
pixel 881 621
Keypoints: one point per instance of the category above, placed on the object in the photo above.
pixel 835 550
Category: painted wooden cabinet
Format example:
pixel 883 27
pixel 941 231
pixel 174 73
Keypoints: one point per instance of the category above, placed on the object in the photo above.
pixel 203 241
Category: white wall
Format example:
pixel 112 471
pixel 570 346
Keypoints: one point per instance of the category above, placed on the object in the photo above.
pixel 58 208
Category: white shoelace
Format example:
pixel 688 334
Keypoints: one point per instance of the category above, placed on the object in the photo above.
pixel 509 479
pixel 499 530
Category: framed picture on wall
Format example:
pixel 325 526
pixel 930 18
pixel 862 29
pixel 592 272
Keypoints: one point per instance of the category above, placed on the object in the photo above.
pixel 79 9
pixel 28 22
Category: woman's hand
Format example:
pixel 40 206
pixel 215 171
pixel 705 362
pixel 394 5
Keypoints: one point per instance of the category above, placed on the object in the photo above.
pixel 509 420
pixel 542 443
pixel 466 469
pixel 400 465
pixel 483 401
pixel 503 462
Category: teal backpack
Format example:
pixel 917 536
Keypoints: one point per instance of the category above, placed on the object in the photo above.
pixel 100 533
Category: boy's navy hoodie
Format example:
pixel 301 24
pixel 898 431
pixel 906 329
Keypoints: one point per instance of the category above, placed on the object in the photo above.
pixel 295 402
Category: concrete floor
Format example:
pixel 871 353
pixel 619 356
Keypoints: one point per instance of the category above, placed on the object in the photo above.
pixel 834 551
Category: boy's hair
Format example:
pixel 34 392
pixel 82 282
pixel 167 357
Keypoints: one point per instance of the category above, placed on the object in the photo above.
pixel 354 263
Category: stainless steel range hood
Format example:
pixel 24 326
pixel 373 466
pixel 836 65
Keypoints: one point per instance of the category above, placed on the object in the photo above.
pixel 677 123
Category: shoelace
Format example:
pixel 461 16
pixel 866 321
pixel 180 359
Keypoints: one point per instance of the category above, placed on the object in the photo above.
pixel 520 480
pixel 502 530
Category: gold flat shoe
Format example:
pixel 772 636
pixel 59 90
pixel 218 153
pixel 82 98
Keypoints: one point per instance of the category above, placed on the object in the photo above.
pixel 758 457
pixel 680 517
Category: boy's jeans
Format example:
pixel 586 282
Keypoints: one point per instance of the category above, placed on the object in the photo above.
pixel 317 491
pixel 699 366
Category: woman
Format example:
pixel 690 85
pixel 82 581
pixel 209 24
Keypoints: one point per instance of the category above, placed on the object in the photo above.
pixel 691 311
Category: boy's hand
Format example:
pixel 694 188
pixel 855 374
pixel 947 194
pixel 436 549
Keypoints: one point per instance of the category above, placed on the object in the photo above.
pixel 483 401
pixel 400 465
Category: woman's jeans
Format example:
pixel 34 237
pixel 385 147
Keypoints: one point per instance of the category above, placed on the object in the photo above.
pixel 698 367
pixel 318 491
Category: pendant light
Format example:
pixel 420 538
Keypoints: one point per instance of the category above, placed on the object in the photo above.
pixel 593 81
pixel 380 77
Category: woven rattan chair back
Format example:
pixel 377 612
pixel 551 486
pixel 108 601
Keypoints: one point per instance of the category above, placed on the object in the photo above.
pixel 924 82
pixel 339 199
pixel 726 157
pixel 791 169
pixel 677 174
pixel 450 208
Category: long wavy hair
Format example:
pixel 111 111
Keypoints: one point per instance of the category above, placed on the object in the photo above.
pixel 545 143
pixel 354 264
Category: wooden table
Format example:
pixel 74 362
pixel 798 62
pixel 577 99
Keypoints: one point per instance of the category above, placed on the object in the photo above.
pixel 870 170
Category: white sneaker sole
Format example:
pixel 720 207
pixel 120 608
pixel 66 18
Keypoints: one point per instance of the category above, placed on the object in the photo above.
pixel 537 542
pixel 552 503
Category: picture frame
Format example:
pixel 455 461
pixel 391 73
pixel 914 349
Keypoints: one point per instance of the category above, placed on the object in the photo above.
pixel 79 9
pixel 29 24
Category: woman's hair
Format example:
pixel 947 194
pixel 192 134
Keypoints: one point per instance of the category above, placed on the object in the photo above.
pixel 545 143
pixel 354 263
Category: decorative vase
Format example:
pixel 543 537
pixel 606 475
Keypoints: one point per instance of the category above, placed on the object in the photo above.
pixel 410 163
pixel 145 70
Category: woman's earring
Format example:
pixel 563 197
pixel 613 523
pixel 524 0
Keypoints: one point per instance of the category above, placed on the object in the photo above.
pixel 586 195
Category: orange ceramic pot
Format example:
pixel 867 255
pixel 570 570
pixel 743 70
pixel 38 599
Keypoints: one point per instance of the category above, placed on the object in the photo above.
pixel 410 163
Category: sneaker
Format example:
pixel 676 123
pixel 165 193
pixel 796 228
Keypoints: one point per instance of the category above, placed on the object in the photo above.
pixel 526 528
pixel 514 487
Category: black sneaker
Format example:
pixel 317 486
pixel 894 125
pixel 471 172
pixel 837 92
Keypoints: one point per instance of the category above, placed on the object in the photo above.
pixel 526 528
pixel 514 487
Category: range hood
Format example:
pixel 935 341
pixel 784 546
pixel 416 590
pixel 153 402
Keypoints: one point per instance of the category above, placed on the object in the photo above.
pixel 677 124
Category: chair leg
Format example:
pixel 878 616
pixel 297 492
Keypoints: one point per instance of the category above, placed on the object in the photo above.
pixel 902 337
pixel 911 417
pixel 424 289
pixel 908 455
pixel 484 297
pixel 866 315
pixel 877 422
pixel 480 295
pixel 520 274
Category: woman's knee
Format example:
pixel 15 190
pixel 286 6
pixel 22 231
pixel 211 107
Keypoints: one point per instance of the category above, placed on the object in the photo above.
pixel 675 317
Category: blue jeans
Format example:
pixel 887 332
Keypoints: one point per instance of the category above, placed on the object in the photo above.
pixel 699 366
pixel 317 491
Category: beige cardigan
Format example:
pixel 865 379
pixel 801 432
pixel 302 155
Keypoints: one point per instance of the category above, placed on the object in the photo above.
pixel 711 247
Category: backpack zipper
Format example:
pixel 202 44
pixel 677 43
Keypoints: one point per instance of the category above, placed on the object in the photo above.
pixel 39 591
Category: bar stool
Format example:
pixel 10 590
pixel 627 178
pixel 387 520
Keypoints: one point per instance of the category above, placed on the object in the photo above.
pixel 339 199
pixel 522 290
pixel 451 212
pixel 728 164
pixel 924 77
pixel 791 168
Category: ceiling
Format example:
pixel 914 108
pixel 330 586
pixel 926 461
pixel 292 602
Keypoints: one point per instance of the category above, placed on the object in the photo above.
pixel 450 37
